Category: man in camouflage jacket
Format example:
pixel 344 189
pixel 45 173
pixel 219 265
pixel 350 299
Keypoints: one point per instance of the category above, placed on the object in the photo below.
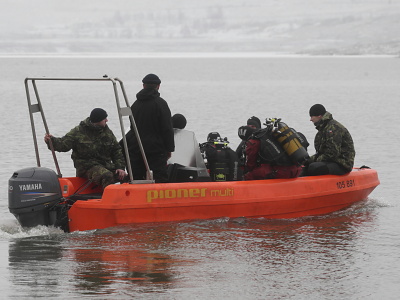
pixel 96 152
pixel 333 144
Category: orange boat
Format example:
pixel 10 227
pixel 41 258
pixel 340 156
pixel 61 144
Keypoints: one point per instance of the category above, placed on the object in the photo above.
pixel 273 198
pixel 39 196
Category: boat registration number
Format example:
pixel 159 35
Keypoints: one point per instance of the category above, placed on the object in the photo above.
pixel 345 184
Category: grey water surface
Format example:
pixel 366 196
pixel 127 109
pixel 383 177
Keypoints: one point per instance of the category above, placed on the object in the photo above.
pixel 350 254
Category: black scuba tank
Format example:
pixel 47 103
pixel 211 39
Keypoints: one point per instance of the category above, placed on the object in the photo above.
pixel 271 151
pixel 222 162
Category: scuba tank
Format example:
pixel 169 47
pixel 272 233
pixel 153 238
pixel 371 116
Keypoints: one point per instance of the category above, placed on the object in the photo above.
pixel 222 161
pixel 289 139
pixel 217 159
pixel 271 151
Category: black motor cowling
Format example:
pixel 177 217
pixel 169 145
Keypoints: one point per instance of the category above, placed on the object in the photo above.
pixel 33 194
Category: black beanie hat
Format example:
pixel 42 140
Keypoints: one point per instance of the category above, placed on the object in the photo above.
pixel 317 110
pixel 178 121
pixel 245 132
pixel 254 121
pixel 151 79
pixel 98 115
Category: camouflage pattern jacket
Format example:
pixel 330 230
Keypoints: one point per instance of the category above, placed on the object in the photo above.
pixel 91 145
pixel 333 143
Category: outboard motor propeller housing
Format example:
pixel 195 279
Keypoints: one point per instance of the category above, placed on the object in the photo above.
pixel 33 194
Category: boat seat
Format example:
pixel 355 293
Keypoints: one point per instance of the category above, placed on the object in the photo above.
pixel 180 173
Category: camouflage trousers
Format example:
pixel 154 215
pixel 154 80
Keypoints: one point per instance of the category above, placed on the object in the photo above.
pixel 99 175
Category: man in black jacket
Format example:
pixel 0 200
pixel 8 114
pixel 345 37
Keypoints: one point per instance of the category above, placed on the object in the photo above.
pixel 153 120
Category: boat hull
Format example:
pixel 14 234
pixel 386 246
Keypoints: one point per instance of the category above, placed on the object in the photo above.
pixel 277 198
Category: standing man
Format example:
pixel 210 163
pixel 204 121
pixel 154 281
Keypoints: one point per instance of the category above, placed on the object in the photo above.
pixel 333 145
pixel 96 153
pixel 153 120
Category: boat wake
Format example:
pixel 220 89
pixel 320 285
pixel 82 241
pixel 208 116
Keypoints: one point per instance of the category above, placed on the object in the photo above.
pixel 11 230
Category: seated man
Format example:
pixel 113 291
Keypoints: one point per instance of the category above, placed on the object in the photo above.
pixel 96 153
pixel 265 157
pixel 222 161
pixel 187 153
pixel 333 145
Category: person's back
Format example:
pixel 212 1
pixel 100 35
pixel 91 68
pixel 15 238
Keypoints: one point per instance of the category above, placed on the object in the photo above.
pixel 153 120
pixel 187 151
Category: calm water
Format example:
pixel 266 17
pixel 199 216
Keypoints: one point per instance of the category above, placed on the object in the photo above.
pixel 351 254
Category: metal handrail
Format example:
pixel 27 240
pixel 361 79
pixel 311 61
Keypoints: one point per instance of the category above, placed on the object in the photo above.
pixel 122 111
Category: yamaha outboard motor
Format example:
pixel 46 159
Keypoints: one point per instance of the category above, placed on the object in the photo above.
pixel 33 194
